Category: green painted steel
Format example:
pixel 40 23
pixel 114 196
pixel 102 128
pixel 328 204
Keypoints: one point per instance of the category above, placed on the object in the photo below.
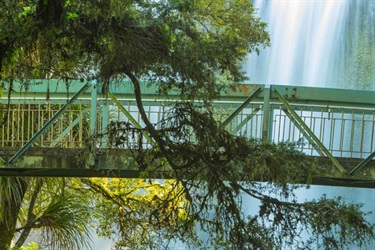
pixel 37 89
pixel 309 132
pixel 232 100
pixel 129 116
pixel 105 121
pixel 124 173
pixel 48 172
pixel 247 119
pixel 304 132
pixel 94 108
pixel 266 114
pixel 329 119
pixel 242 106
pixel 48 124
pixel 66 131
pixel 363 164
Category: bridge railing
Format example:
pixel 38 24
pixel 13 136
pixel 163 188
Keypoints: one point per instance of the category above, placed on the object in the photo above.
pixel 346 132
pixel 345 128
pixel 22 119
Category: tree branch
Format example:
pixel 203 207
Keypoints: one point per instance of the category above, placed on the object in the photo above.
pixel 150 127
pixel 30 223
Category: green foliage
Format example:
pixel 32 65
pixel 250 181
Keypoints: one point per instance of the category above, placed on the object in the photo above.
pixel 182 44
pixel 9 191
pixel 12 190
pixel 62 223
pixel 341 224
pixel 217 170
pixel 61 219
pixel 142 213
pixel 190 47
pixel 30 246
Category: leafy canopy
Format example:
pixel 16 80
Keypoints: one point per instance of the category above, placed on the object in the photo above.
pixel 183 44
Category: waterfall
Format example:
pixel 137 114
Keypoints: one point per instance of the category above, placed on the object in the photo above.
pixel 321 43
pixel 328 43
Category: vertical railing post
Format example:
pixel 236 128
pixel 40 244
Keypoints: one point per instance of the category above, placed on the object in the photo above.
pixel 308 133
pixel 105 120
pixel 266 114
pixel 94 106
pixel 242 106
pixel 270 123
pixel 93 118
pixel 48 124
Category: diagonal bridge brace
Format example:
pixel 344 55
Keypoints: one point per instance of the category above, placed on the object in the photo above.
pixel 247 118
pixel 242 106
pixel 306 131
pixel 363 164
pixel 48 124
pixel 130 117
pixel 68 129
pixel 305 134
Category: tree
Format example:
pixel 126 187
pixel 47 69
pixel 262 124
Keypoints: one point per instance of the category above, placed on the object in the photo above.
pixel 41 204
pixel 61 210
pixel 141 214
pixel 195 48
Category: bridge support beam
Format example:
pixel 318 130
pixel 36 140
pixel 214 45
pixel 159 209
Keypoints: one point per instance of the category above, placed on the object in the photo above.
pixel 105 120
pixel 331 113
pixel 67 130
pixel 267 115
pixel 94 106
pixel 65 162
pixel 303 131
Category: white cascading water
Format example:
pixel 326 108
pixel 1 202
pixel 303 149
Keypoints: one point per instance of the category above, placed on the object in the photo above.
pixel 309 42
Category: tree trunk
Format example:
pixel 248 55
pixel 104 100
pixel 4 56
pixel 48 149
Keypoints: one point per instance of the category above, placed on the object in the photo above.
pixel 11 207
pixel 30 216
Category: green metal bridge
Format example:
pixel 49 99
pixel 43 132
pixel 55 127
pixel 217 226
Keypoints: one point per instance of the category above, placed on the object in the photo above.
pixel 46 126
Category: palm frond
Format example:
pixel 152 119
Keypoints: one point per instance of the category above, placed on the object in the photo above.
pixel 11 193
pixel 64 224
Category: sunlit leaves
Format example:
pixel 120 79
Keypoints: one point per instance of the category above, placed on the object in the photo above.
pixel 139 212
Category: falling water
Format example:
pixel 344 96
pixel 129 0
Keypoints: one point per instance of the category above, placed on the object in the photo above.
pixel 322 43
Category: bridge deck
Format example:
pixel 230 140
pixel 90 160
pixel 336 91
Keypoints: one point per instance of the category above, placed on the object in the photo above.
pixel 57 162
